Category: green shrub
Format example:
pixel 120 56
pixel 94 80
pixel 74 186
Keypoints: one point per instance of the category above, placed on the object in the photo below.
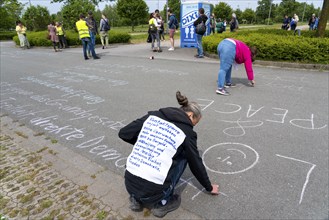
pixel 36 39
pixel 7 35
pixel 304 33
pixel 278 45
pixel 72 37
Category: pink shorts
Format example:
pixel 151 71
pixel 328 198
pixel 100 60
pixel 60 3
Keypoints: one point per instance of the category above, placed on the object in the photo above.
pixel 172 33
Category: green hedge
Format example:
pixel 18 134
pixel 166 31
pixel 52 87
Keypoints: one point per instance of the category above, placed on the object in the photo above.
pixel 7 35
pixel 278 45
pixel 40 38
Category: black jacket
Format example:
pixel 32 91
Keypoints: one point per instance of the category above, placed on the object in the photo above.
pixel 201 18
pixel 142 188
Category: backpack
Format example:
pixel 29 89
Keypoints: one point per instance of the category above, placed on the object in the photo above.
pixel 106 26
pixel 200 28
pixel 176 23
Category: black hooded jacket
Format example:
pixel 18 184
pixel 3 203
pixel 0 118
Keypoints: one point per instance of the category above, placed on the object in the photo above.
pixel 142 188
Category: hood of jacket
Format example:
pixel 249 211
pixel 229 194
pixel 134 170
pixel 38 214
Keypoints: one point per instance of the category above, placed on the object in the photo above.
pixel 175 115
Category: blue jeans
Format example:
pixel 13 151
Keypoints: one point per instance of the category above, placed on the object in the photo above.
pixel 86 42
pixel 155 36
pixel 226 54
pixel 166 194
pixel 93 40
pixel 199 43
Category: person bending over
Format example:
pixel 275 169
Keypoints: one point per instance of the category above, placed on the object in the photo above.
pixel 232 51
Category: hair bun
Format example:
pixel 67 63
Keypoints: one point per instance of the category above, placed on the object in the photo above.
pixel 182 100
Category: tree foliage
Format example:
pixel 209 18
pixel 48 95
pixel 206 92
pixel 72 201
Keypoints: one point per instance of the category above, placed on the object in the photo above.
pixel 72 10
pixel 36 18
pixel 10 11
pixel 291 7
pixel 238 13
pixel 264 8
pixel 249 15
pixel 132 10
pixel 287 7
pixel 95 2
pixel 223 11
pixel 174 6
pixel 112 14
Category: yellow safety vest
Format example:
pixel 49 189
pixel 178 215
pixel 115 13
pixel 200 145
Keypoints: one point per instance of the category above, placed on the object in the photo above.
pixel 59 30
pixel 152 21
pixel 82 29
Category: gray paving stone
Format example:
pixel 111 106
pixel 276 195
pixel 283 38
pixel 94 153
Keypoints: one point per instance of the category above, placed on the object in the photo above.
pixel 31 182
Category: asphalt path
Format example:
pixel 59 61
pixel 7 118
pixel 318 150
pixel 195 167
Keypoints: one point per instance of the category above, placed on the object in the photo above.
pixel 266 146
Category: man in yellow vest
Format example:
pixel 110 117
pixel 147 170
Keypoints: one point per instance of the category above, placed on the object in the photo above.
pixel 84 35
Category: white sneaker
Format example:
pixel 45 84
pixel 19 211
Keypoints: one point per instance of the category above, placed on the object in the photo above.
pixel 222 91
pixel 171 49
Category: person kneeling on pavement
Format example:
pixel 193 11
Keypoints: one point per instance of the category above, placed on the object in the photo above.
pixel 164 143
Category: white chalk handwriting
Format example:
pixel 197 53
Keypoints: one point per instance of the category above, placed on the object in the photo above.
pixel 70 93
pixel 307 176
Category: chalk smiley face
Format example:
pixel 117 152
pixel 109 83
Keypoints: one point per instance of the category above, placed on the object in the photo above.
pixel 230 158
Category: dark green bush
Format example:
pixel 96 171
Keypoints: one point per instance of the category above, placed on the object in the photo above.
pixel 40 38
pixel 277 47
pixel 7 35
pixel 304 33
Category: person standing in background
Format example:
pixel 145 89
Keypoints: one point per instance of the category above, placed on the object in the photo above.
pixel 172 25
pixel 92 30
pixel 153 29
pixel 316 24
pixel 61 35
pixel 224 24
pixel 53 35
pixel 311 22
pixel 212 23
pixel 84 36
pixel 21 32
pixel 285 23
pixel 294 22
pixel 233 23
pixel 219 26
pixel 104 28
pixel 202 18
pixel 161 23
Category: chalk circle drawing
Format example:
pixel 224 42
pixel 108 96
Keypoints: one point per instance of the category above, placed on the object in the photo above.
pixel 230 158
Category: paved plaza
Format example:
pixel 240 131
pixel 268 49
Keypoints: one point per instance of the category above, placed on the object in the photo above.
pixel 61 158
